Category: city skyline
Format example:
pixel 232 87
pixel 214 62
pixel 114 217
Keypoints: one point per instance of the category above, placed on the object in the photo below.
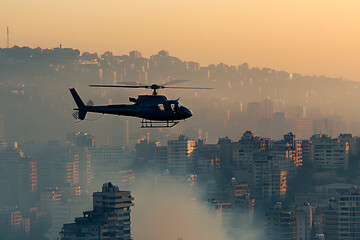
pixel 263 171
pixel 266 101
pixel 270 148
pixel 298 36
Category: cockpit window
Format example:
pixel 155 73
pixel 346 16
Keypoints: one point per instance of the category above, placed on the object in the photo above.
pixel 161 107
pixel 179 105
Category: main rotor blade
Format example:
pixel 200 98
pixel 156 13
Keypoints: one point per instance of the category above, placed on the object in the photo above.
pixel 154 86
pixel 132 83
pixel 115 86
pixel 189 87
pixel 175 81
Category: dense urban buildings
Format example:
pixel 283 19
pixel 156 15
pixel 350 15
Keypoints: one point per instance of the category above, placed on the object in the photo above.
pixel 109 219
pixel 239 178
pixel 272 152
pixel 280 224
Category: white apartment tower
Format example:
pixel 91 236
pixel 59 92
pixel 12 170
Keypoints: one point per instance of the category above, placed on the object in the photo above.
pixel 180 161
pixel 109 219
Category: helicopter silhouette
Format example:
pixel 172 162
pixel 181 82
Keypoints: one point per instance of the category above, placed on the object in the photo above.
pixel 155 110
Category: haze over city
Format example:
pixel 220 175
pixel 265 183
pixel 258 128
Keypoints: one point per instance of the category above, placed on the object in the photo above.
pixel 258 139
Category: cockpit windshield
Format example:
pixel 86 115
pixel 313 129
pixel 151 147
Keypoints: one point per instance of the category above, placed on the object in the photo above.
pixel 179 105
pixel 161 107
pixel 175 106
pixel 172 105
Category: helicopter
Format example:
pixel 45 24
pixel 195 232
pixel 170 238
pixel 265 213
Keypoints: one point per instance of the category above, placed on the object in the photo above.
pixel 156 111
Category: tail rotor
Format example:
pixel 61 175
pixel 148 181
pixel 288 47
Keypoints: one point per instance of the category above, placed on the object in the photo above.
pixel 76 115
pixel 90 103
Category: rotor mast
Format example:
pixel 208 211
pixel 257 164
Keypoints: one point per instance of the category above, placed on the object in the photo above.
pixel 155 88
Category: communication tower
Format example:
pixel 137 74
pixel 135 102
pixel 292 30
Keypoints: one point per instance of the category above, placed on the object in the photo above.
pixel 8 37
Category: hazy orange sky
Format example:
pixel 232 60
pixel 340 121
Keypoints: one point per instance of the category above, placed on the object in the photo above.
pixel 308 37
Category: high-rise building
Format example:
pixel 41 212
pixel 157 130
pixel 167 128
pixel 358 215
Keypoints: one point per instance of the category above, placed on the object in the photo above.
pixel 325 126
pixel 161 156
pixel 145 151
pixel 287 154
pixel 14 225
pixel 282 158
pixel 109 160
pixel 270 182
pixel 135 54
pixel 304 127
pixel 18 177
pixel 51 202
pixel 72 172
pixel 264 127
pixel 109 219
pixel 350 141
pixel 104 156
pixel 328 154
pixel 226 152
pixel 81 139
pixel 267 109
pixel 274 184
pixel 261 165
pixel 207 158
pixel 180 161
pixel 26 178
pixel 244 150
pixel 341 215
pixel 280 223
pixel 304 220
pixel 51 161
pixel 306 151
pixel 253 111
pixel 163 53
pixel 83 158
pixel 348 215
pixel 278 125
pixel 2 128
pixel 331 220
pixel 224 213
pixel 243 202
pixel 192 66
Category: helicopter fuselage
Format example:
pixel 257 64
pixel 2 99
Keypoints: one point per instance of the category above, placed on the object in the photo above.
pixel 148 107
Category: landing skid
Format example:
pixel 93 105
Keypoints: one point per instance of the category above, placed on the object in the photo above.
pixel 157 124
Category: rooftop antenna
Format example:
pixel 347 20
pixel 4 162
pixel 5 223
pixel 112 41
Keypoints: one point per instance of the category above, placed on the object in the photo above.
pixel 8 37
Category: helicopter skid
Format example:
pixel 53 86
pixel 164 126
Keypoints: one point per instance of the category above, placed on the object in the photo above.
pixel 157 124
